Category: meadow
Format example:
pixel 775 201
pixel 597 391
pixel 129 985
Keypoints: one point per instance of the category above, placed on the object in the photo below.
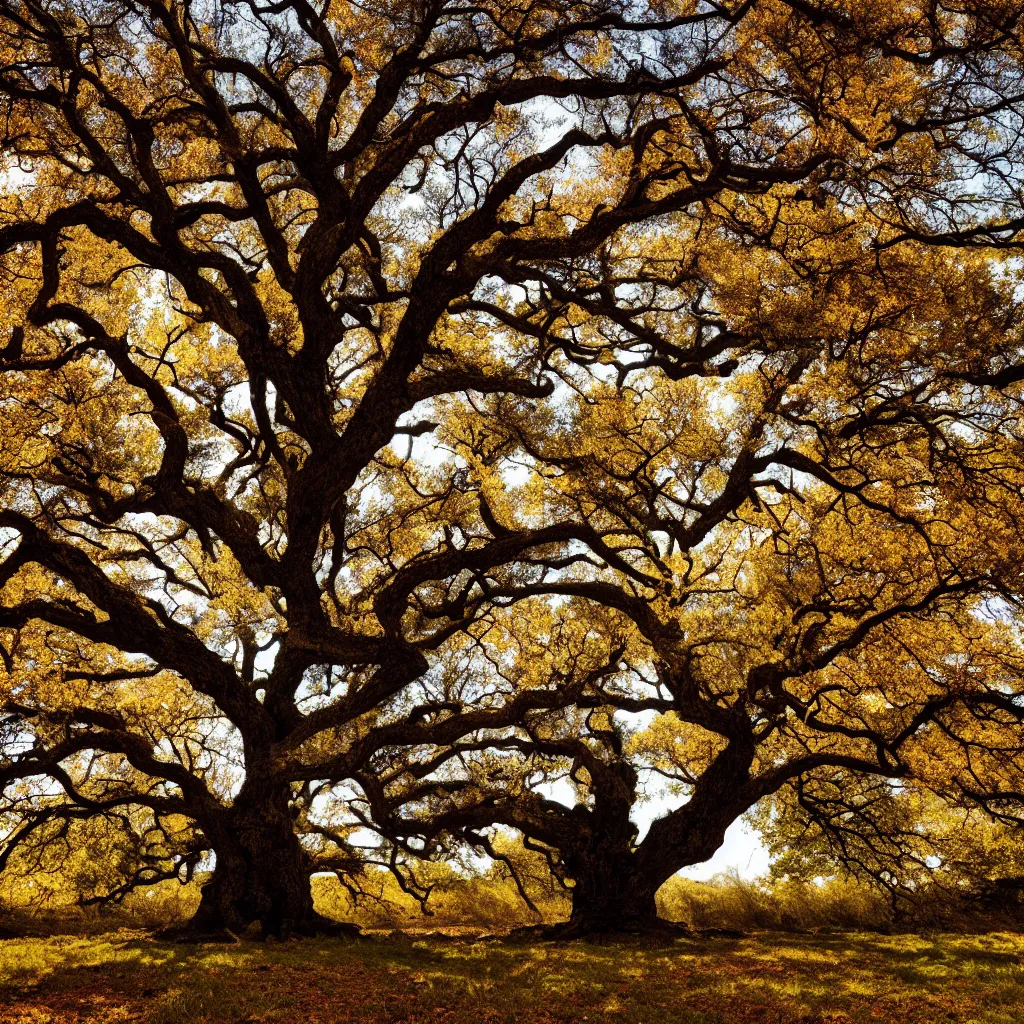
pixel 747 951
pixel 774 978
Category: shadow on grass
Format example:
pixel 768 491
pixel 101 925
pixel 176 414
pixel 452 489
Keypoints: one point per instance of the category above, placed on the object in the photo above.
pixel 764 979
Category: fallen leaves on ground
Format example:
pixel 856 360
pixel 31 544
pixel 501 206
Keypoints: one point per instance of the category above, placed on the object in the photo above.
pixel 765 979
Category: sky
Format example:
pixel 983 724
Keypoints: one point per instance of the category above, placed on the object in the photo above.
pixel 742 853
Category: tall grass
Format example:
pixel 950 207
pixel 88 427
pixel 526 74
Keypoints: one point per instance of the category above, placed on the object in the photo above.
pixel 490 903
pixel 736 903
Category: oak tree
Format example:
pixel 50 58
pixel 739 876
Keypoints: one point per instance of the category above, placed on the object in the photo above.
pixel 354 352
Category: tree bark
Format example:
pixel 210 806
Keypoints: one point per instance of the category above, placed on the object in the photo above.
pixel 262 873
pixel 612 892
pixel 610 895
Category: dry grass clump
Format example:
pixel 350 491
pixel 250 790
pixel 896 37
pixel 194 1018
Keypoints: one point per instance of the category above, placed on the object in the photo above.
pixel 492 904
pixel 732 902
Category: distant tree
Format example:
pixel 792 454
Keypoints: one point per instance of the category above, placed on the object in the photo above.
pixel 352 349
pixel 935 857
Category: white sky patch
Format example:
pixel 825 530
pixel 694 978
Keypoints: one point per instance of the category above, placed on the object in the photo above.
pixel 742 853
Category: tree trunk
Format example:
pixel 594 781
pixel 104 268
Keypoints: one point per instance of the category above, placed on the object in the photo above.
pixel 262 873
pixel 612 897
pixel 611 893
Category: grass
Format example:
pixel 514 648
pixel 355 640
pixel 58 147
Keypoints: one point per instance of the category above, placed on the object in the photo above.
pixel 492 903
pixel 854 978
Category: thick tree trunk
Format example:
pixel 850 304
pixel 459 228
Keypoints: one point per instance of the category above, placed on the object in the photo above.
pixel 610 895
pixel 262 873
pixel 611 892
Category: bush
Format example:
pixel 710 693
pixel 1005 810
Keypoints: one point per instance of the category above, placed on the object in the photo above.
pixel 491 903
pixel 488 902
pixel 744 905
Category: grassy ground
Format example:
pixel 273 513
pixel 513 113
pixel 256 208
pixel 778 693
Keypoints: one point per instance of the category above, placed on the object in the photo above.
pixel 775 979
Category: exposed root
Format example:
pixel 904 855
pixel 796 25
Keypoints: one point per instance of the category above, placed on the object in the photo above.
pixel 191 934
pixel 602 930
pixel 313 926
pixel 316 925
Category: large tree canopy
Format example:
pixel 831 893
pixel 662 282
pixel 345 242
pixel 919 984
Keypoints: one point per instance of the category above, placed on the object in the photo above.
pixel 406 404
